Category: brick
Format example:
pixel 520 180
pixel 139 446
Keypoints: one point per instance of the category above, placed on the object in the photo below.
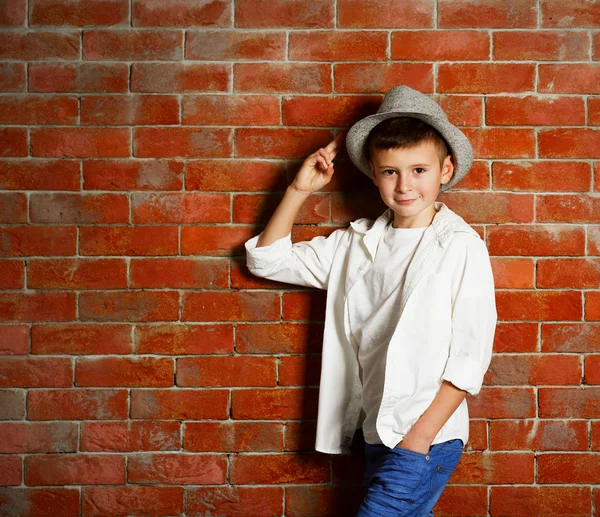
pixel 462 110
pixel 20 241
pixel 13 207
pixel 284 13
pixel 299 370
pixel 77 404
pixel 129 240
pixel 485 78
pixel 231 110
pixel 280 142
pixel 592 306
pixel 593 233
pixel 578 273
pixel 593 104
pixel 180 404
pixel 380 77
pixel 575 14
pixel 483 207
pixel 488 14
pixel 280 338
pixel 569 78
pixel 255 208
pixel 235 45
pixel 124 371
pixel 37 306
pixel 230 306
pixel 545 435
pixel 591 369
pixel 226 371
pixel 39 175
pixel 132 175
pixel 536 239
pixel 235 175
pixel 178 469
pixel 513 273
pixel 179 273
pixel 177 13
pixel 129 306
pixel 234 437
pixel 77 274
pixel 179 77
pixel 516 337
pixel 229 501
pixel 80 338
pixel 340 110
pixel 502 142
pixel 524 501
pixel 79 78
pixel 580 208
pixel 441 45
pixel 595 436
pixel 12 77
pixel 569 402
pixel 463 501
pixel 81 142
pixel 214 240
pixel 36 372
pixel 79 208
pixel 539 305
pixel 13 13
pixel 132 45
pixel 127 500
pixel 12 275
pixel 131 110
pixel 130 436
pixel 38 110
pixel 12 404
pixel 570 337
pixel 95 12
pixel 338 46
pixel 300 436
pixel 569 143
pixel 389 14
pixel 14 339
pixel 39 45
pixel 79 469
pixel 20 437
pixel 535 111
pixel 307 305
pixel 503 403
pixel 176 339
pixel 541 45
pixel 279 468
pixel 534 370
pixel 13 142
pixel 274 404
pixel 12 470
pixel 40 501
pixel 184 142
pixel 568 468
pixel 495 468
pixel 322 501
pixel 542 176
pixel 282 77
pixel 189 207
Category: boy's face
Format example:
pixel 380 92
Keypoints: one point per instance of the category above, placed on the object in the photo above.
pixel 412 174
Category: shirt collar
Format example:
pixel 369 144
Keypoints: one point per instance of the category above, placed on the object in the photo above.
pixel 445 222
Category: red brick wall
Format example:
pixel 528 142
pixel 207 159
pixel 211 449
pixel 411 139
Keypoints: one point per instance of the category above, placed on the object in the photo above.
pixel 146 372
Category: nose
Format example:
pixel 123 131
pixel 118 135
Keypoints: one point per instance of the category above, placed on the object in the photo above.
pixel 403 183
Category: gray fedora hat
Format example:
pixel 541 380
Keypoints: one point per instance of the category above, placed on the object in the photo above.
pixel 403 101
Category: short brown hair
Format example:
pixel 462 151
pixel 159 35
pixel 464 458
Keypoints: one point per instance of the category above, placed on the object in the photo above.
pixel 403 132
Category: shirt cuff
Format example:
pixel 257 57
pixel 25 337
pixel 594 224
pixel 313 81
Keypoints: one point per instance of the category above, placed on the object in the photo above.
pixel 257 258
pixel 463 372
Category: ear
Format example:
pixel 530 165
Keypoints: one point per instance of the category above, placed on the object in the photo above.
pixel 447 170
pixel 373 177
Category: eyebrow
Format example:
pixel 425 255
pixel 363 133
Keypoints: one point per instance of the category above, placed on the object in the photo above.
pixel 415 165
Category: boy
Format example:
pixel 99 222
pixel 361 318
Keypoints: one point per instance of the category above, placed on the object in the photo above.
pixel 410 312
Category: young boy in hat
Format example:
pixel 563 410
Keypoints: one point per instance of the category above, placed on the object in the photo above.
pixel 410 311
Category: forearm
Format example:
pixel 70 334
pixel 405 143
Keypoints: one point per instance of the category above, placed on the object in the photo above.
pixel 436 415
pixel 283 218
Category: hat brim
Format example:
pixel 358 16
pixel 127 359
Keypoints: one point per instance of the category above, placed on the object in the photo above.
pixel 460 147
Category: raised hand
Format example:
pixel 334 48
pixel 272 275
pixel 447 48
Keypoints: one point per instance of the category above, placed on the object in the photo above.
pixel 317 169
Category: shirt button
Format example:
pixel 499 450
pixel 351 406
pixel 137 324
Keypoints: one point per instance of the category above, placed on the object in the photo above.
pixel 427 457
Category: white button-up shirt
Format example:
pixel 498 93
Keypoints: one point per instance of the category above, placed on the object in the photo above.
pixel 445 324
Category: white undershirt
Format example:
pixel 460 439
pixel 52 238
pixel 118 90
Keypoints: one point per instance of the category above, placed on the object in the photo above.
pixel 374 301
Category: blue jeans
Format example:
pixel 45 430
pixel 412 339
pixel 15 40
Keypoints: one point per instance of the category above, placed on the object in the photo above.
pixel 404 483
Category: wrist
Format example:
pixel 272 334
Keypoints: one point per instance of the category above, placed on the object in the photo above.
pixel 291 188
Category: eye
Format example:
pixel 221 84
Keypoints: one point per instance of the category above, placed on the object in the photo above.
pixel 391 171
pixel 420 169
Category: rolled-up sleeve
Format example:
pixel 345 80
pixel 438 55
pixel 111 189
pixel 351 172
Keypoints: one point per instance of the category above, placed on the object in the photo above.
pixel 306 263
pixel 474 316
